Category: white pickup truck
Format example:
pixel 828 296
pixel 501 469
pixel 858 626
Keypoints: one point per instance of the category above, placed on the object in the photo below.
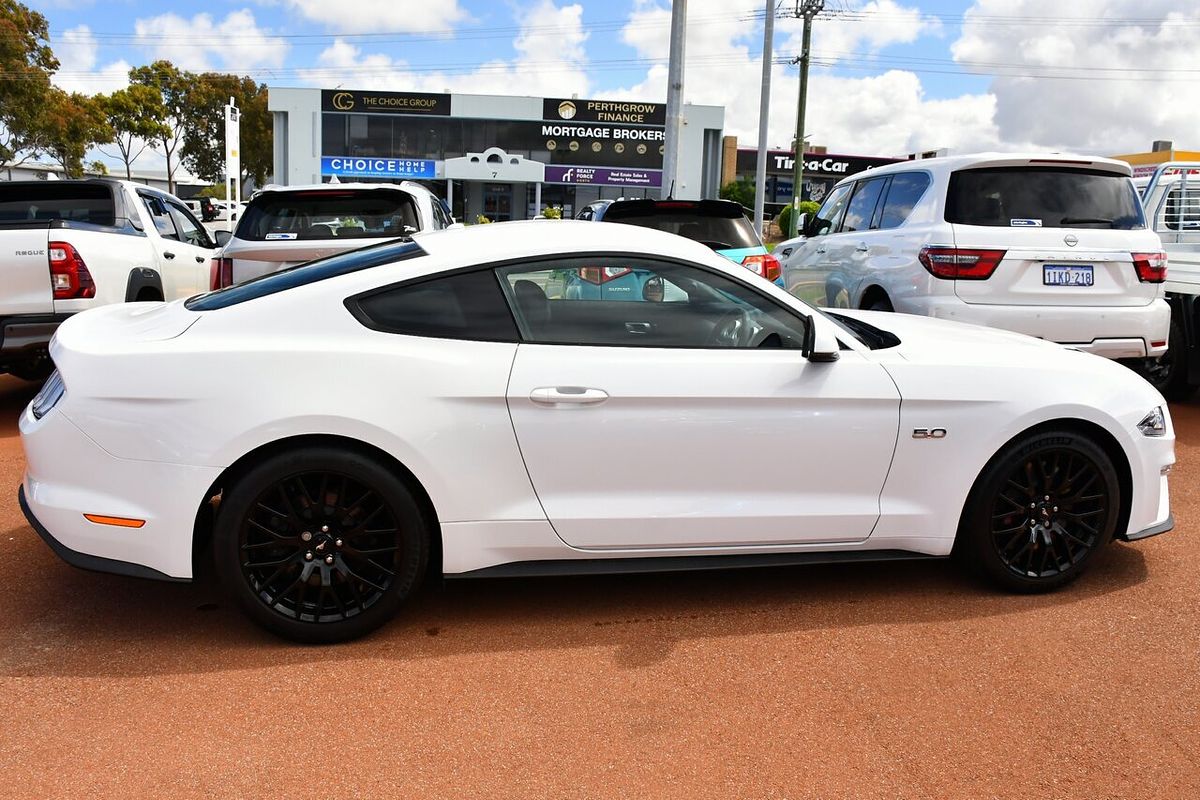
pixel 67 246
pixel 1171 198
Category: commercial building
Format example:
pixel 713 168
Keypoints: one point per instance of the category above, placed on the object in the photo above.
pixel 1161 152
pixel 821 170
pixel 501 157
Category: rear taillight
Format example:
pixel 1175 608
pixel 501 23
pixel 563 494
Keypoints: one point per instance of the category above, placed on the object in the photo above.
pixel 1150 267
pixel 957 263
pixel 599 275
pixel 220 273
pixel 765 264
pixel 69 276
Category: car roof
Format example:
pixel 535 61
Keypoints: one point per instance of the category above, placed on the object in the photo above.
pixel 503 240
pixel 943 165
pixel 408 187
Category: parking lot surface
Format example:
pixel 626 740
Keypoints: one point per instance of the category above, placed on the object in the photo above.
pixel 890 680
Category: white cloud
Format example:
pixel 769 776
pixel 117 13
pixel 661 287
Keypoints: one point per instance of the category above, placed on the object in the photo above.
pixel 550 59
pixel 78 53
pixel 886 114
pixel 366 16
pixel 234 44
pixel 1109 38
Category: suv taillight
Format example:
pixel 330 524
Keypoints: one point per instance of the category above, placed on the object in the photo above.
pixel 764 264
pixel 599 275
pixel 220 273
pixel 69 276
pixel 957 263
pixel 1150 267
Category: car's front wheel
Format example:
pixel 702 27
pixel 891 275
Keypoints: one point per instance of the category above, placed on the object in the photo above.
pixel 1040 511
pixel 320 544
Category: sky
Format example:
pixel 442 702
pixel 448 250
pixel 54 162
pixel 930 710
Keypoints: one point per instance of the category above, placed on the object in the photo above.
pixel 889 77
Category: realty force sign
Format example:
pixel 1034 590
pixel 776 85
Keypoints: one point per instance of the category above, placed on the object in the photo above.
pixel 604 176
pixel 401 168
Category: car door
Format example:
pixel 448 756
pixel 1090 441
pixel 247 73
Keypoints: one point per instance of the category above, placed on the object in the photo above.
pixel 191 266
pixel 853 251
pixel 175 257
pixel 807 272
pixel 690 417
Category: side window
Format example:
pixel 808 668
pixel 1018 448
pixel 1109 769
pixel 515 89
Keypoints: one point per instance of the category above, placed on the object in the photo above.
pixel 830 216
pixel 585 214
pixel 902 196
pixel 188 227
pixel 1182 209
pixel 619 302
pixel 161 217
pixel 862 205
pixel 465 306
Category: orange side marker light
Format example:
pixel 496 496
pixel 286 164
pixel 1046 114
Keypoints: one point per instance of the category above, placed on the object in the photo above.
pixel 120 522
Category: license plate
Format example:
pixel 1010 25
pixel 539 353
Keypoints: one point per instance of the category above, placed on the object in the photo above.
pixel 1057 275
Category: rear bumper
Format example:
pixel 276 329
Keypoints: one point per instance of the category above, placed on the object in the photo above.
pixel 1109 331
pixel 25 335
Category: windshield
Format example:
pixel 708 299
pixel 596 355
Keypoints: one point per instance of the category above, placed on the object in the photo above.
pixel 1040 197
pixel 329 214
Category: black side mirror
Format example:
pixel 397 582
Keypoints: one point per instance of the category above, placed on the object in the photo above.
pixel 222 237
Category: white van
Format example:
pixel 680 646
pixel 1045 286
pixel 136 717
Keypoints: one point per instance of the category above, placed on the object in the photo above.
pixel 1054 246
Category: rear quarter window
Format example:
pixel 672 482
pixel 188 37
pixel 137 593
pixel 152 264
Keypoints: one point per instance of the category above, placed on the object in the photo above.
pixel 329 214
pixel 903 194
pixel 1043 197
pixel 464 306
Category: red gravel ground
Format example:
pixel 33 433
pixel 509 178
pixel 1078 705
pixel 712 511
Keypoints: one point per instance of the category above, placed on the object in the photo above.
pixel 864 681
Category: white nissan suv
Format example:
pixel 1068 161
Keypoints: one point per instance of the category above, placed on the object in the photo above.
pixel 1048 245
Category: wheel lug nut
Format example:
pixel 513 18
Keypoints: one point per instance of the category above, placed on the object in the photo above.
pixel 1033 505
pixel 308 556
pixel 338 543
pixel 325 528
pixel 1047 498
pixel 306 536
pixel 328 559
pixel 1056 509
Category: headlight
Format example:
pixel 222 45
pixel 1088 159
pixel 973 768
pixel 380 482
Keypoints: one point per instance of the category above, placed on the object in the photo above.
pixel 50 394
pixel 1154 424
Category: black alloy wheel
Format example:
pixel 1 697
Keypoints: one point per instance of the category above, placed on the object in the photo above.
pixel 320 545
pixel 1041 510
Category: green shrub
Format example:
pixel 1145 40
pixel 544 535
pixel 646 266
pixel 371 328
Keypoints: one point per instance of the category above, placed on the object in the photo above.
pixel 785 216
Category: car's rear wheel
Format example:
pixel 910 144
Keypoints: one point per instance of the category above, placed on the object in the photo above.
pixel 881 304
pixel 1169 372
pixel 1040 511
pixel 320 545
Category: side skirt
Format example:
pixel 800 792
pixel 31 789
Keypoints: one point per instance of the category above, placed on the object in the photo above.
pixel 618 566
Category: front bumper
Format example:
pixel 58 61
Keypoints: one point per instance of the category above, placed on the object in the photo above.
pixel 1109 331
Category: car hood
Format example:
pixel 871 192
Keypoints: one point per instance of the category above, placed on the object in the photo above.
pixel 929 340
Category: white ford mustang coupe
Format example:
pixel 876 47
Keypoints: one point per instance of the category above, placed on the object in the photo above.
pixel 498 401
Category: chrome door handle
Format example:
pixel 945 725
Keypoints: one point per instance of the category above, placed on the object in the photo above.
pixel 862 247
pixel 569 395
pixel 638 327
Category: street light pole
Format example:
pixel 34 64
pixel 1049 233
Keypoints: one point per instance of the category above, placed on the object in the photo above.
pixel 760 174
pixel 674 97
pixel 808 8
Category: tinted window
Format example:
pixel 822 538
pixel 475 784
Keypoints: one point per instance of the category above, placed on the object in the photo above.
pixel 1050 198
pixel 466 306
pixel 304 274
pixel 902 195
pixel 79 202
pixel 329 214
pixel 830 214
pixel 663 305
pixel 722 226
pixel 862 205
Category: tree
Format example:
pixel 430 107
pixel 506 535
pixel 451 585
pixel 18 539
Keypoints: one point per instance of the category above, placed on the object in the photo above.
pixel 135 115
pixel 784 219
pixel 72 124
pixel 204 126
pixel 172 84
pixel 739 191
pixel 26 63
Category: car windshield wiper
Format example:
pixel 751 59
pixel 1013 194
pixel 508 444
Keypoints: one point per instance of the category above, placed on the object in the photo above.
pixel 1084 221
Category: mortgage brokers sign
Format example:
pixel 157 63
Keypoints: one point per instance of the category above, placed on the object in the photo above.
pixel 365 167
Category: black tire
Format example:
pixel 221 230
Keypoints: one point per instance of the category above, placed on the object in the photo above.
pixel 1168 373
pixel 881 304
pixel 1023 542
pixel 35 371
pixel 304 515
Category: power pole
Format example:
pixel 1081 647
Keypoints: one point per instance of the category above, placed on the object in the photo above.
pixel 760 174
pixel 674 98
pixel 809 9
